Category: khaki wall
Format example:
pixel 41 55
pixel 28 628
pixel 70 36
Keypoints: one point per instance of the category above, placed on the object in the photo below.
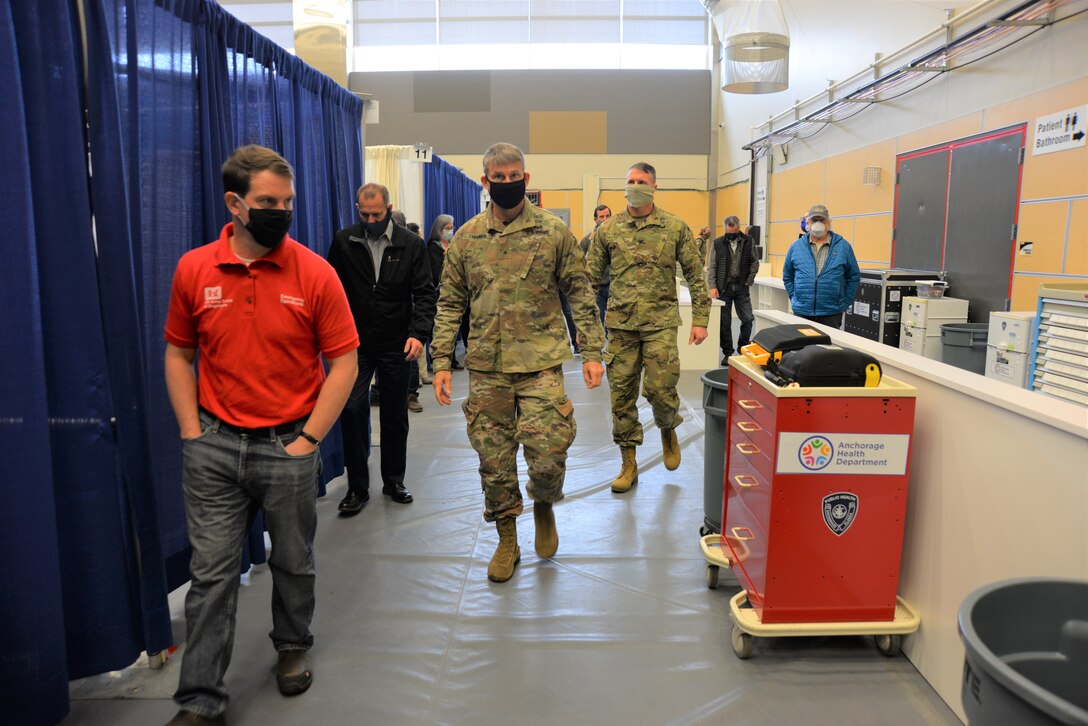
pixel 1053 211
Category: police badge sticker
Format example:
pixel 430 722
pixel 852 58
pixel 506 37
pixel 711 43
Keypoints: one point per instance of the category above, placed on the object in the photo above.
pixel 840 509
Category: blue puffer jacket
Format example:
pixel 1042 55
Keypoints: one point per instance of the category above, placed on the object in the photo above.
pixel 833 290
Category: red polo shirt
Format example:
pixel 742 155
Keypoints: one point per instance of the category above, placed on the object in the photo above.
pixel 259 329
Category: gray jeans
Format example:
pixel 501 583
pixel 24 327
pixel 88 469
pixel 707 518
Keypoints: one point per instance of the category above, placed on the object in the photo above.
pixel 227 476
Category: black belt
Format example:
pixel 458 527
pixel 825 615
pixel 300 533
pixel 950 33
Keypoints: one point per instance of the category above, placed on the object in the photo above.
pixel 279 429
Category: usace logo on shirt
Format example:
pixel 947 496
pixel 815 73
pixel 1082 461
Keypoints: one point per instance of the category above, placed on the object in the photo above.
pixel 213 297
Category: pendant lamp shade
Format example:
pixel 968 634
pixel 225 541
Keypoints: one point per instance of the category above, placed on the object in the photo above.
pixel 755 43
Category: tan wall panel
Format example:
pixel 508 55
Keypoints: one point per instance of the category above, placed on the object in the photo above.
pixel 958 128
pixel 1044 226
pixel 732 200
pixel 1076 248
pixel 847 227
pixel 1025 290
pixel 793 191
pixel 1038 104
pixel 846 194
pixel 690 206
pixel 781 236
pixel 571 200
pixel 872 239
pixel 568 132
pixel 776 264
pixel 1058 174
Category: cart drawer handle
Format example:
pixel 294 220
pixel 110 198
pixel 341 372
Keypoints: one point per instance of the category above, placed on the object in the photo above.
pixel 747 448
pixel 740 480
pixel 749 405
pixel 743 534
pixel 748 427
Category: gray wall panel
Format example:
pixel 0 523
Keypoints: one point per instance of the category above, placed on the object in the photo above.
pixel 649 112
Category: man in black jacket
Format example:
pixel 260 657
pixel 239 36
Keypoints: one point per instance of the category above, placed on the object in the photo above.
pixel 731 269
pixel 387 279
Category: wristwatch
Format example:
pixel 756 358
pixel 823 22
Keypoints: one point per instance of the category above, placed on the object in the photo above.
pixel 309 438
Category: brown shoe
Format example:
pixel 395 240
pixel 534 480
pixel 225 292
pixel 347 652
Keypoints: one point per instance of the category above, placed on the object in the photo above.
pixel 547 538
pixel 188 718
pixel 293 674
pixel 413 403
pixel 628 476
pixel 507 554
pixel 670 447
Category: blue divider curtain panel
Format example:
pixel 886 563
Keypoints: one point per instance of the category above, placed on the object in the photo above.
pixel 92 525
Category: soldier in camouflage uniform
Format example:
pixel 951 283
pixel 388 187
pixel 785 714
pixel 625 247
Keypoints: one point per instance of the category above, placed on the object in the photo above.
pixel 506 265
pixel 643 244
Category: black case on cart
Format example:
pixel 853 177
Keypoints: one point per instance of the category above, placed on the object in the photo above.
pixel 782 338
pixel 825 365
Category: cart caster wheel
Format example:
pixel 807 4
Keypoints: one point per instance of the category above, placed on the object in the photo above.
pixel 742 643
pixel 888 644
pixel 703 531
pixel 712 577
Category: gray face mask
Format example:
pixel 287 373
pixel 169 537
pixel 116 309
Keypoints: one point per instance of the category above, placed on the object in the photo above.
pixel 639 195
pixel 447 234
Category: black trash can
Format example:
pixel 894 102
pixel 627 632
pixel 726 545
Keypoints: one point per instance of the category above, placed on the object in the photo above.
pixel 716 406
pixel 1027 652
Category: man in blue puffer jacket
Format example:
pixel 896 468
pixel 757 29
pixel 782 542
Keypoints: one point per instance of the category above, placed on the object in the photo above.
pixel 821 273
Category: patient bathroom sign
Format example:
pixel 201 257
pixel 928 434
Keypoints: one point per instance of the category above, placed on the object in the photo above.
pixel 1059 131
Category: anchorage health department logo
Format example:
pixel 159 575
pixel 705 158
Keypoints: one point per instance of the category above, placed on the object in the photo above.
pixel 815 453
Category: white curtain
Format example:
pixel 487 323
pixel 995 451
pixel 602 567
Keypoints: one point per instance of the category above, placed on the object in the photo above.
pixel 394 166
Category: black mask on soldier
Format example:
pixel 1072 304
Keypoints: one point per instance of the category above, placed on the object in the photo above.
pixel 507 194
pixel 268 226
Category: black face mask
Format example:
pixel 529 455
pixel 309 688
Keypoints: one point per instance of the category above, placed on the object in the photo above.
pixel 268 226
pixel 732 235
pixel 507 194
pixel 376 229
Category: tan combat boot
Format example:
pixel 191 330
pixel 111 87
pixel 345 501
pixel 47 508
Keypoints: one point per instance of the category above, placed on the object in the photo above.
pixel 670 447
pixel 547 538
pixel 508 554
pixel 628 471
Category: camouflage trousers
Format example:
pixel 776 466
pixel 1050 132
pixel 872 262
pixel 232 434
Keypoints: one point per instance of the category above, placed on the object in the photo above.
pixel 507 409
pixel 629 352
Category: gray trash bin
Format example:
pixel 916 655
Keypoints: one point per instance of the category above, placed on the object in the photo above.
pixel 964 345
pixel 1027 652
pixel 716 406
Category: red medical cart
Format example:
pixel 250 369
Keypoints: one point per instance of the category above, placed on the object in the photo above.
pixel 815 496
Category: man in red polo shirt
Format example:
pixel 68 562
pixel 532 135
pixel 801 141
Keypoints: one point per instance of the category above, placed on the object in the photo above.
pixel 262 310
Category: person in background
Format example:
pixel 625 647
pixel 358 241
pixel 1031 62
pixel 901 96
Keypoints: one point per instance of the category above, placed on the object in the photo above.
pixel 387 278
pixel 438 240
pixel 820 272
pixel 730 271
pixel 702 241
pixel 511 260
pixel 413 228
pixel 643 245
pixel 600 214
pixel 262 310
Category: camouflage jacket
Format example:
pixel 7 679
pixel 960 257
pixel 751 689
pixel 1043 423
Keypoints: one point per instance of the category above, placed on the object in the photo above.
pixel 509 277
pixel 643 254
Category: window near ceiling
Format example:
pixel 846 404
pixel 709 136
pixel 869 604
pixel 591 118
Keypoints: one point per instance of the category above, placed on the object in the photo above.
pixel 485 34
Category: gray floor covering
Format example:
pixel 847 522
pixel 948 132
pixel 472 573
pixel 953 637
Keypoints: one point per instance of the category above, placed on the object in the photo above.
pixel 618 628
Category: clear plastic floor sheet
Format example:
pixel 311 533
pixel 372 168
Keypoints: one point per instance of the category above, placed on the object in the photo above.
pixel 618 628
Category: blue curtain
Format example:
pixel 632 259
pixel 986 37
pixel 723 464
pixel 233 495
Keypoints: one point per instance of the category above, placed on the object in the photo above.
pixel 91 517
pixel 31 611
pixel 447 190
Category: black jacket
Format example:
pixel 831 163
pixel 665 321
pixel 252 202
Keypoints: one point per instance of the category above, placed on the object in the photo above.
pixel 401 303
pixel 437 254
